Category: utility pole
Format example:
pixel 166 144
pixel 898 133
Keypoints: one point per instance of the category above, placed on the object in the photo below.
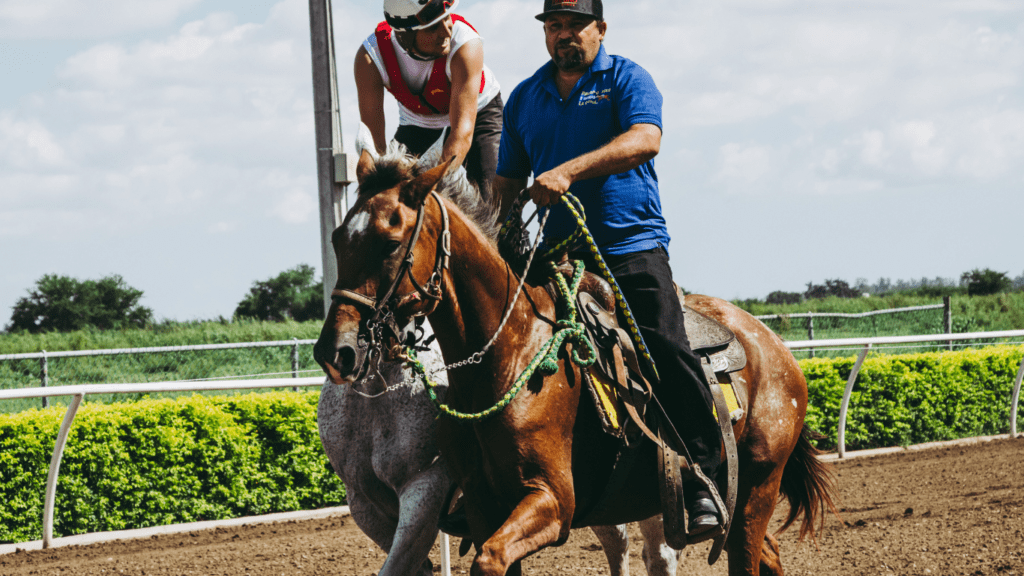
pixel 334 173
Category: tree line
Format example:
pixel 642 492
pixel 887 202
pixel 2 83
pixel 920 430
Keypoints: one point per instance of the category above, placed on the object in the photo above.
pixel 977 282
pixel 65 304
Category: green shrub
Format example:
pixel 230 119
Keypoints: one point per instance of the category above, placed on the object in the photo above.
pixel 292 294
pixel 65 304
pixel 158 462
pixel 913 398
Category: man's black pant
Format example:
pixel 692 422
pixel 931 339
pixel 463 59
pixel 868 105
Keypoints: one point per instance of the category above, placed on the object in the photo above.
pixel 645 279
pixel 482 159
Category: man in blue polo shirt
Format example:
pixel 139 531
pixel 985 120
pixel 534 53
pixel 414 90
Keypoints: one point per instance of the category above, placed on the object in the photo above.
pixel 590 123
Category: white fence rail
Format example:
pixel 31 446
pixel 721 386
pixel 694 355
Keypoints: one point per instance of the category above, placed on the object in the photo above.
pixel 851 314
pixel 79 392
pixel 155 349
pixel 44 357
pixel 946 306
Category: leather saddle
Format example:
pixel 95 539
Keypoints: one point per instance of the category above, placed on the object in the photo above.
pixel 617 378
pixel 621 396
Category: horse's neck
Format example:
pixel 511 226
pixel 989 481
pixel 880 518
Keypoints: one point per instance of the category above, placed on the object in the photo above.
pixel 477 291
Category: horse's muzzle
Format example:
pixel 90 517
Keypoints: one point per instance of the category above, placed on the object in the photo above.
pixel 344 362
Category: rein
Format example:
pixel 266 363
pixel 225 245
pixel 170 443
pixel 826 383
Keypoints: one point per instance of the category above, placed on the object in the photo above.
pixel 478 356
pixel 546 359
pixel 569 329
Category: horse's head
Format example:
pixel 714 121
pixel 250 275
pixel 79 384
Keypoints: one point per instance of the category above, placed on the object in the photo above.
pixel 391 252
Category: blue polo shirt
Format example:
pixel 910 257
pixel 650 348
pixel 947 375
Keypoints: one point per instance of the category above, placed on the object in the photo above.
pixel 541 131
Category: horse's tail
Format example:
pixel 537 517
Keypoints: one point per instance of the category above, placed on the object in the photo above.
pixel 809 485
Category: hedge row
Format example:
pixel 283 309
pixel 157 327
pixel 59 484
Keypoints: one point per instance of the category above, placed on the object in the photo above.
pixel 157 462
pixel 914 398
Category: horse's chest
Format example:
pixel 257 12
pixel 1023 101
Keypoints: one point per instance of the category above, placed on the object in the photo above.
pixel 387 439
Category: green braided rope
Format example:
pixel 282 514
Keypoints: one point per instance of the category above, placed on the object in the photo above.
pixel 545 361
pixel 576 209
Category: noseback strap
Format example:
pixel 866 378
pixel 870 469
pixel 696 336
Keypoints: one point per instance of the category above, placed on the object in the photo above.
pixel 355 297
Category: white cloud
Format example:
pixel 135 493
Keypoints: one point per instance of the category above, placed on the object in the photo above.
pixel 222 227
pixel 172 128
pixel 919 138
pixel 28 144
pixel 297 206
pixel 744 166
pixel 64 19
pixel 160 127
pixel 873 147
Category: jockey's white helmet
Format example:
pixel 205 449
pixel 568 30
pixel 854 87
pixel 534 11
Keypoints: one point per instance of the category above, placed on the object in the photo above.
pixel 416 14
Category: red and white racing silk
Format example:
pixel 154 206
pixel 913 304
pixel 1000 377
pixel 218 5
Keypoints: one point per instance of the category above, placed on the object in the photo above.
pixel 423 89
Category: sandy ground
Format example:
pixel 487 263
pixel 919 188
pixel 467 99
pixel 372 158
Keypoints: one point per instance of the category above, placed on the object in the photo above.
pixel 945 511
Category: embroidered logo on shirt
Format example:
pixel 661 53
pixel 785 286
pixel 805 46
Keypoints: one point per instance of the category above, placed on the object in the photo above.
pixel 595 96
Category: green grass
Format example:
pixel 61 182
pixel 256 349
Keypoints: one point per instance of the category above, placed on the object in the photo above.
pixel 969 314
pixel 164 334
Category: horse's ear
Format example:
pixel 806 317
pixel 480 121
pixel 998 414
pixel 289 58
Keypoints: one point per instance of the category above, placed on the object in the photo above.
pixel 364 166
pixel 415 191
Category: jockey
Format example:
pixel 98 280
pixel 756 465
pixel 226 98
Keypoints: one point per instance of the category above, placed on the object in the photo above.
pixel 590 123
pixel 432 62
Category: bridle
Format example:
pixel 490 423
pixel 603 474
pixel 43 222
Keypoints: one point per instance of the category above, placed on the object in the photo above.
pixel 384 307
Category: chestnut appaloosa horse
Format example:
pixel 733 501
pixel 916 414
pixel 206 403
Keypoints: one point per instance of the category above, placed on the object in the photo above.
pixel 529 471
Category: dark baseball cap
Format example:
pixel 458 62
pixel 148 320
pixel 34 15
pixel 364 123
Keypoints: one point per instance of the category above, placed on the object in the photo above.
pixel 588 7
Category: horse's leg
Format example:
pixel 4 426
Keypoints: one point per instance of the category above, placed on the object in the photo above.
pixel 376 522
pixel 758 494
pixel 659 558
pixel 771 560
pixel 420 502
pixel 615 542
pixel 538 520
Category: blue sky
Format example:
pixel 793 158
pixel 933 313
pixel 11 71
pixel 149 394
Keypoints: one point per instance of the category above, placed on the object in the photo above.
pixel 171 141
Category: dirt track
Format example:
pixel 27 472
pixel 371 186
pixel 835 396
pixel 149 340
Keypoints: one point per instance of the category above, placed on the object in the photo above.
pixel 947 511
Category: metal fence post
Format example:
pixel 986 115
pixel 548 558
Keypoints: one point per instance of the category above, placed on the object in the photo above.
pixel 51 477
pixel 841 436
pixel 810 331
pixel 947 319
pixel 1015 399
pixel 295 361
pixel 44 376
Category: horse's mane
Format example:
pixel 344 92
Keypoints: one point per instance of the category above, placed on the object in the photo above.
pixel 397 165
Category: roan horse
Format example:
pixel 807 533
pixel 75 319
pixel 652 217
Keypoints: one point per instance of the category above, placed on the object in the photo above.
pixel 378 433
pixel 530 470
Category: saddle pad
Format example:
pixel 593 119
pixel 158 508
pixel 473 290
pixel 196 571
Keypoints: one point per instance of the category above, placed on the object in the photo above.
pixel 730 398
pixel 610 407
pixel 607 401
